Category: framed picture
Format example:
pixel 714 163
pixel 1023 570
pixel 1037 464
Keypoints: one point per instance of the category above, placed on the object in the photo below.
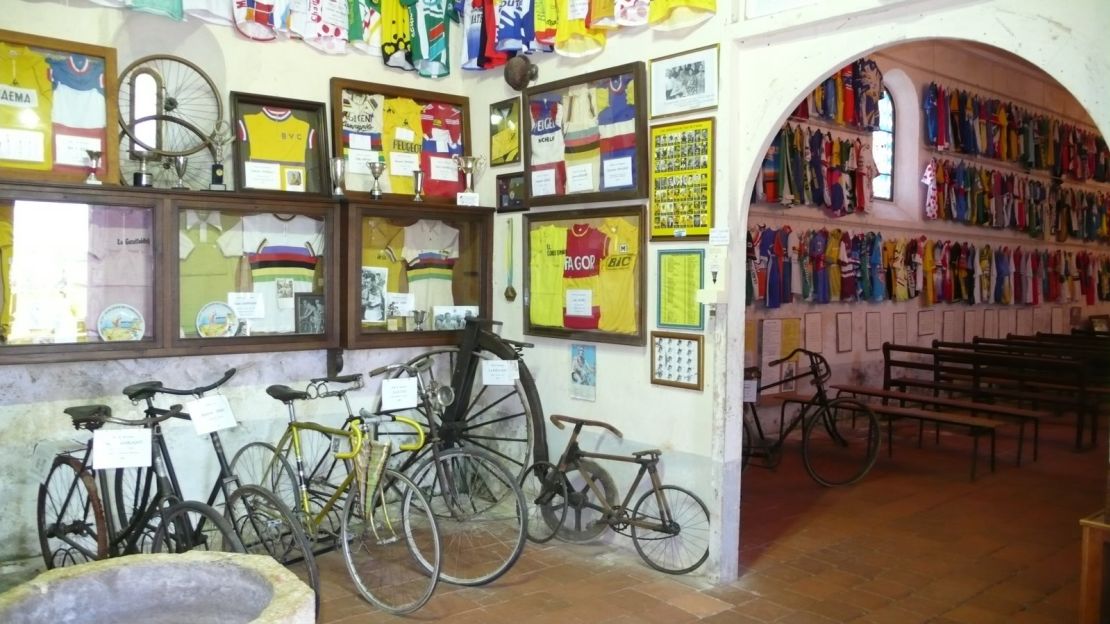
pixel 65 93
pixel 583 371
pixel 504 132
pixel 584 274
pixel 684 82
pixel 1100 322
pixel 587 138
pixel 309 311
pixel 279 144
pixel 682 180
pixel 510 192
pixel 406 129
pixel 681 276
pixel 676 360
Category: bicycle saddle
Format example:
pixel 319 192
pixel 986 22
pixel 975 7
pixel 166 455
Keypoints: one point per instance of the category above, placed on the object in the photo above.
pixel 89 417
pixel 143 390
pixel 647 452
pixel 352 378
pixel 285 394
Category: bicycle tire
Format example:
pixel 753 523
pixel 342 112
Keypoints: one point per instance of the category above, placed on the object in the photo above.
pixel 745 444
pixel 482 515
pixel 385 557
pixel 687 538
pixel 133 489
pixel 545 491
pixel 53 510
pixel 850 448
pixel 266 526
pixel 259 463
pixel 185 94
pixel 585 517
pixel 193 525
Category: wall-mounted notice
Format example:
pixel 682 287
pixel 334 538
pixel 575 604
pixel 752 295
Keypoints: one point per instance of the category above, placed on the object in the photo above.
pixel 901 328
pixel 926 322
pixel 951 329
pixel 814 334
pixel 843 332
pixel 973 324
pixel 873 330
pixel 990 323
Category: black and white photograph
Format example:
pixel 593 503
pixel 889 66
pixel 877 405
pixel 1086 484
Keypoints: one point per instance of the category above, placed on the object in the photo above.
pixel 452 317
pixel 683 83
pixel 374 280
pixel 676 360
pixel 309 310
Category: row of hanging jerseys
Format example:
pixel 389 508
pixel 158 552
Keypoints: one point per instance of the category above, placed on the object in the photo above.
pixel 811 167
pixel 823 266
pixel 958 191
pixel 964 122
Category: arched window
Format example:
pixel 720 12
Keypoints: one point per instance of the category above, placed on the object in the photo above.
pixel 882 146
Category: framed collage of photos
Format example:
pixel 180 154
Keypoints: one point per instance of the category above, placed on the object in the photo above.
pixel 73 133
pixel 280 144
pixel 682 156
pixel 677 360
pixel 407 130
pixel 587 138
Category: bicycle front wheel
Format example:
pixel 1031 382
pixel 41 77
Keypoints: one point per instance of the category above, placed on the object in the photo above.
pixel 840 442
pixel 545 491
pixel 71 523
pixel 670 529
pixel 481 513
pixel 388 542
pixel 259 463
pixel 192 525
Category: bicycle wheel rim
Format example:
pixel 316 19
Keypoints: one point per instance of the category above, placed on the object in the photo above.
pixel 184 93
pixel 259 463
pixel 680 544
pixel 80 516
pixel 387 543
pixel 840 442
pixel 192 525
pixel 585 515
pixel 545 492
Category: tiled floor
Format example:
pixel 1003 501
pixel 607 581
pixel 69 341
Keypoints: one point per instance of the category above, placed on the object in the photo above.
pixel 914 542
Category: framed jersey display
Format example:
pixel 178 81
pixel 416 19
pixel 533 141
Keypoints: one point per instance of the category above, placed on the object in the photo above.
pixel 685 82
pixel 417 136
pixel 587 138
pixel 682 180
pixel 58 110
pixel 279 144
pixel 585 274
pixel 504 132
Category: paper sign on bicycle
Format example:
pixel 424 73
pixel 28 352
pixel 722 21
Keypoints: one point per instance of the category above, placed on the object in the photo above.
pixel 121 448
pixel 398 393
pixel 500 372
pixel 210 413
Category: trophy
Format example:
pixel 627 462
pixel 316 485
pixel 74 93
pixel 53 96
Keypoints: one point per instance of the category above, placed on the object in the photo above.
pixel 142 177
pixel 376 169
pixel 418 185
pixel 94 160
pixel 338 175
pixel 418 318
pixel 221 136
pixel 180 164
pixel 470 166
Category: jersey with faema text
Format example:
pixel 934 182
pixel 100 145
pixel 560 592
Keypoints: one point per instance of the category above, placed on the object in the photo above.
pixel 617 293
pixel 25 108
pixel 586 248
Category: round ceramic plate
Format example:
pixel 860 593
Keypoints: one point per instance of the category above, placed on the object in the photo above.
pixel 216 319
pixel 120 322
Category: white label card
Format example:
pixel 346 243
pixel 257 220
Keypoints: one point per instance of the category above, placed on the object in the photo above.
pixel 618 172
pixel 499 372
pixel 358 161
pixel 71 150
pixel 211 413
pixel 578 9
pixel 718 236
pixel 247 305
pixel 28 145
pixel 580 302
pixel 543 182
pixel 404 134
pixel 121 448
pixel 361 142
pixel 580 178
pixel 398 393
pixel 442 138
pixel 751 390
pixel 403 163
pixel 399 304
pixel 262 175
pixel 443 169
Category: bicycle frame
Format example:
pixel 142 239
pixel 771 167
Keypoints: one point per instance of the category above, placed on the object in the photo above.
pixel 351 432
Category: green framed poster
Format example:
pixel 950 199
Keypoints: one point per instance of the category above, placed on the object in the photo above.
pixel 681 276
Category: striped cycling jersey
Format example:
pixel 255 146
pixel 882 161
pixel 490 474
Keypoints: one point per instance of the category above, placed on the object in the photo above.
pixel 617 126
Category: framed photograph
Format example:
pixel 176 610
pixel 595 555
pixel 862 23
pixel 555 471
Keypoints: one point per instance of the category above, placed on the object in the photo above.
pixel 587 138
pixel 584 275
pixel 452 317
pixel 65 93
pixel 510 192
pixel 504 132
pixel 681 276
pixel 309 311
pixel 684 82
pixel 583 372
pixel 926 322
pixel 676 360
pixel 682 180
pixel 280 144
pixel 406 129
pixel 1100 322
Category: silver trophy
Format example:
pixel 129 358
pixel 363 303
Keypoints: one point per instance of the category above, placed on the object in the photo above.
pixel 221 137
pixel 94 166
pixel 142 177
pixel 338 175
pixel 418 318
pixel 376 170
pixel 418 185
pixel 180 165
pixel 470 166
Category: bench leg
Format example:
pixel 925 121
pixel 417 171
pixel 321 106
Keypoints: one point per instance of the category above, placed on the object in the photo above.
pixel 1036 437
pixel 890 437
pixel 920 432
pixel 1021 442
pixel 974 453
pixel 993 431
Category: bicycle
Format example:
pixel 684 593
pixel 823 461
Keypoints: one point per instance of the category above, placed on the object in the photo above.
pixel 669 525
pixel 850 445
pixel 387 530
pixel 75 525
pixel 264 524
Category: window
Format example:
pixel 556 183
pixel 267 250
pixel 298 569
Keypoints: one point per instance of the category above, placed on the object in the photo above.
pixel 882 145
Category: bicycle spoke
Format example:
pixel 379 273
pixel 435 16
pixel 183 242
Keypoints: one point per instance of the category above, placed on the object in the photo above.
pixel 494 421
pixel 495 451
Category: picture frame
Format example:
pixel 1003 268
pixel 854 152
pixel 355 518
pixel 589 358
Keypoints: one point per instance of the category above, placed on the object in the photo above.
pixel 608 149
pixel 681 274
pixel 310 313
pixel 504 132
pixel 1100 322
pixel 682 179
pixel 39 149
pixel 595 290
pixel 367 117
pixel 510 192
pixel 265 167
pixel 685 82
pixel 677 360
pixel 845 342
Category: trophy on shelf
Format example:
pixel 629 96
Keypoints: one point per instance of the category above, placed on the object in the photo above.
pixel 142 177
pixel 418 318
pixel 338 175
pixel 220 138
pixel 94 166
pixel 180 165
pixel 470 166
pixel 418 185
pixel 377 168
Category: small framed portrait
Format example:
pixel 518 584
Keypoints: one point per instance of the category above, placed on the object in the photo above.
pixel 510 192
pixel 309 311
pixel 504 132
pixel 280 144
pixel 684 82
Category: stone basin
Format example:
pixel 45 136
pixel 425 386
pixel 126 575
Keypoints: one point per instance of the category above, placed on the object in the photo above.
pixel 190 588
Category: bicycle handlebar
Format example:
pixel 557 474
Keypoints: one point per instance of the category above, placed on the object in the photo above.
pixel 356 444
pixel 198 390
pixel 376 419
pixel 796 351
pixel 558 420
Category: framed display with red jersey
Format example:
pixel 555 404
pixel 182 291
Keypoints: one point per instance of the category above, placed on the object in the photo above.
pixel 682 168
pixel 587 138
pixel 280 144
pixel 416 135
pixel 585 274
pixel 58 110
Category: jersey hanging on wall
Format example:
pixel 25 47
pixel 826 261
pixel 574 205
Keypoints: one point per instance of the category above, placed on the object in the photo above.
pixel 547 143
pixel 79 111
pixel 547 263
pixel 402 141
pixel 26 98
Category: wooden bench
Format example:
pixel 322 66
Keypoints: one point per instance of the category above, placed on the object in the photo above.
pixel 976 427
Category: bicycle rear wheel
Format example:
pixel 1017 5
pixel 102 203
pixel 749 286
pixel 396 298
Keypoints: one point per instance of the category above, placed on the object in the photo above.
pixel 545 491
pixel 71 523
pixel 387 543
pixel 677 542
pixel 840 442
pixel 259 463
pixel 481 514
pixel 192 525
